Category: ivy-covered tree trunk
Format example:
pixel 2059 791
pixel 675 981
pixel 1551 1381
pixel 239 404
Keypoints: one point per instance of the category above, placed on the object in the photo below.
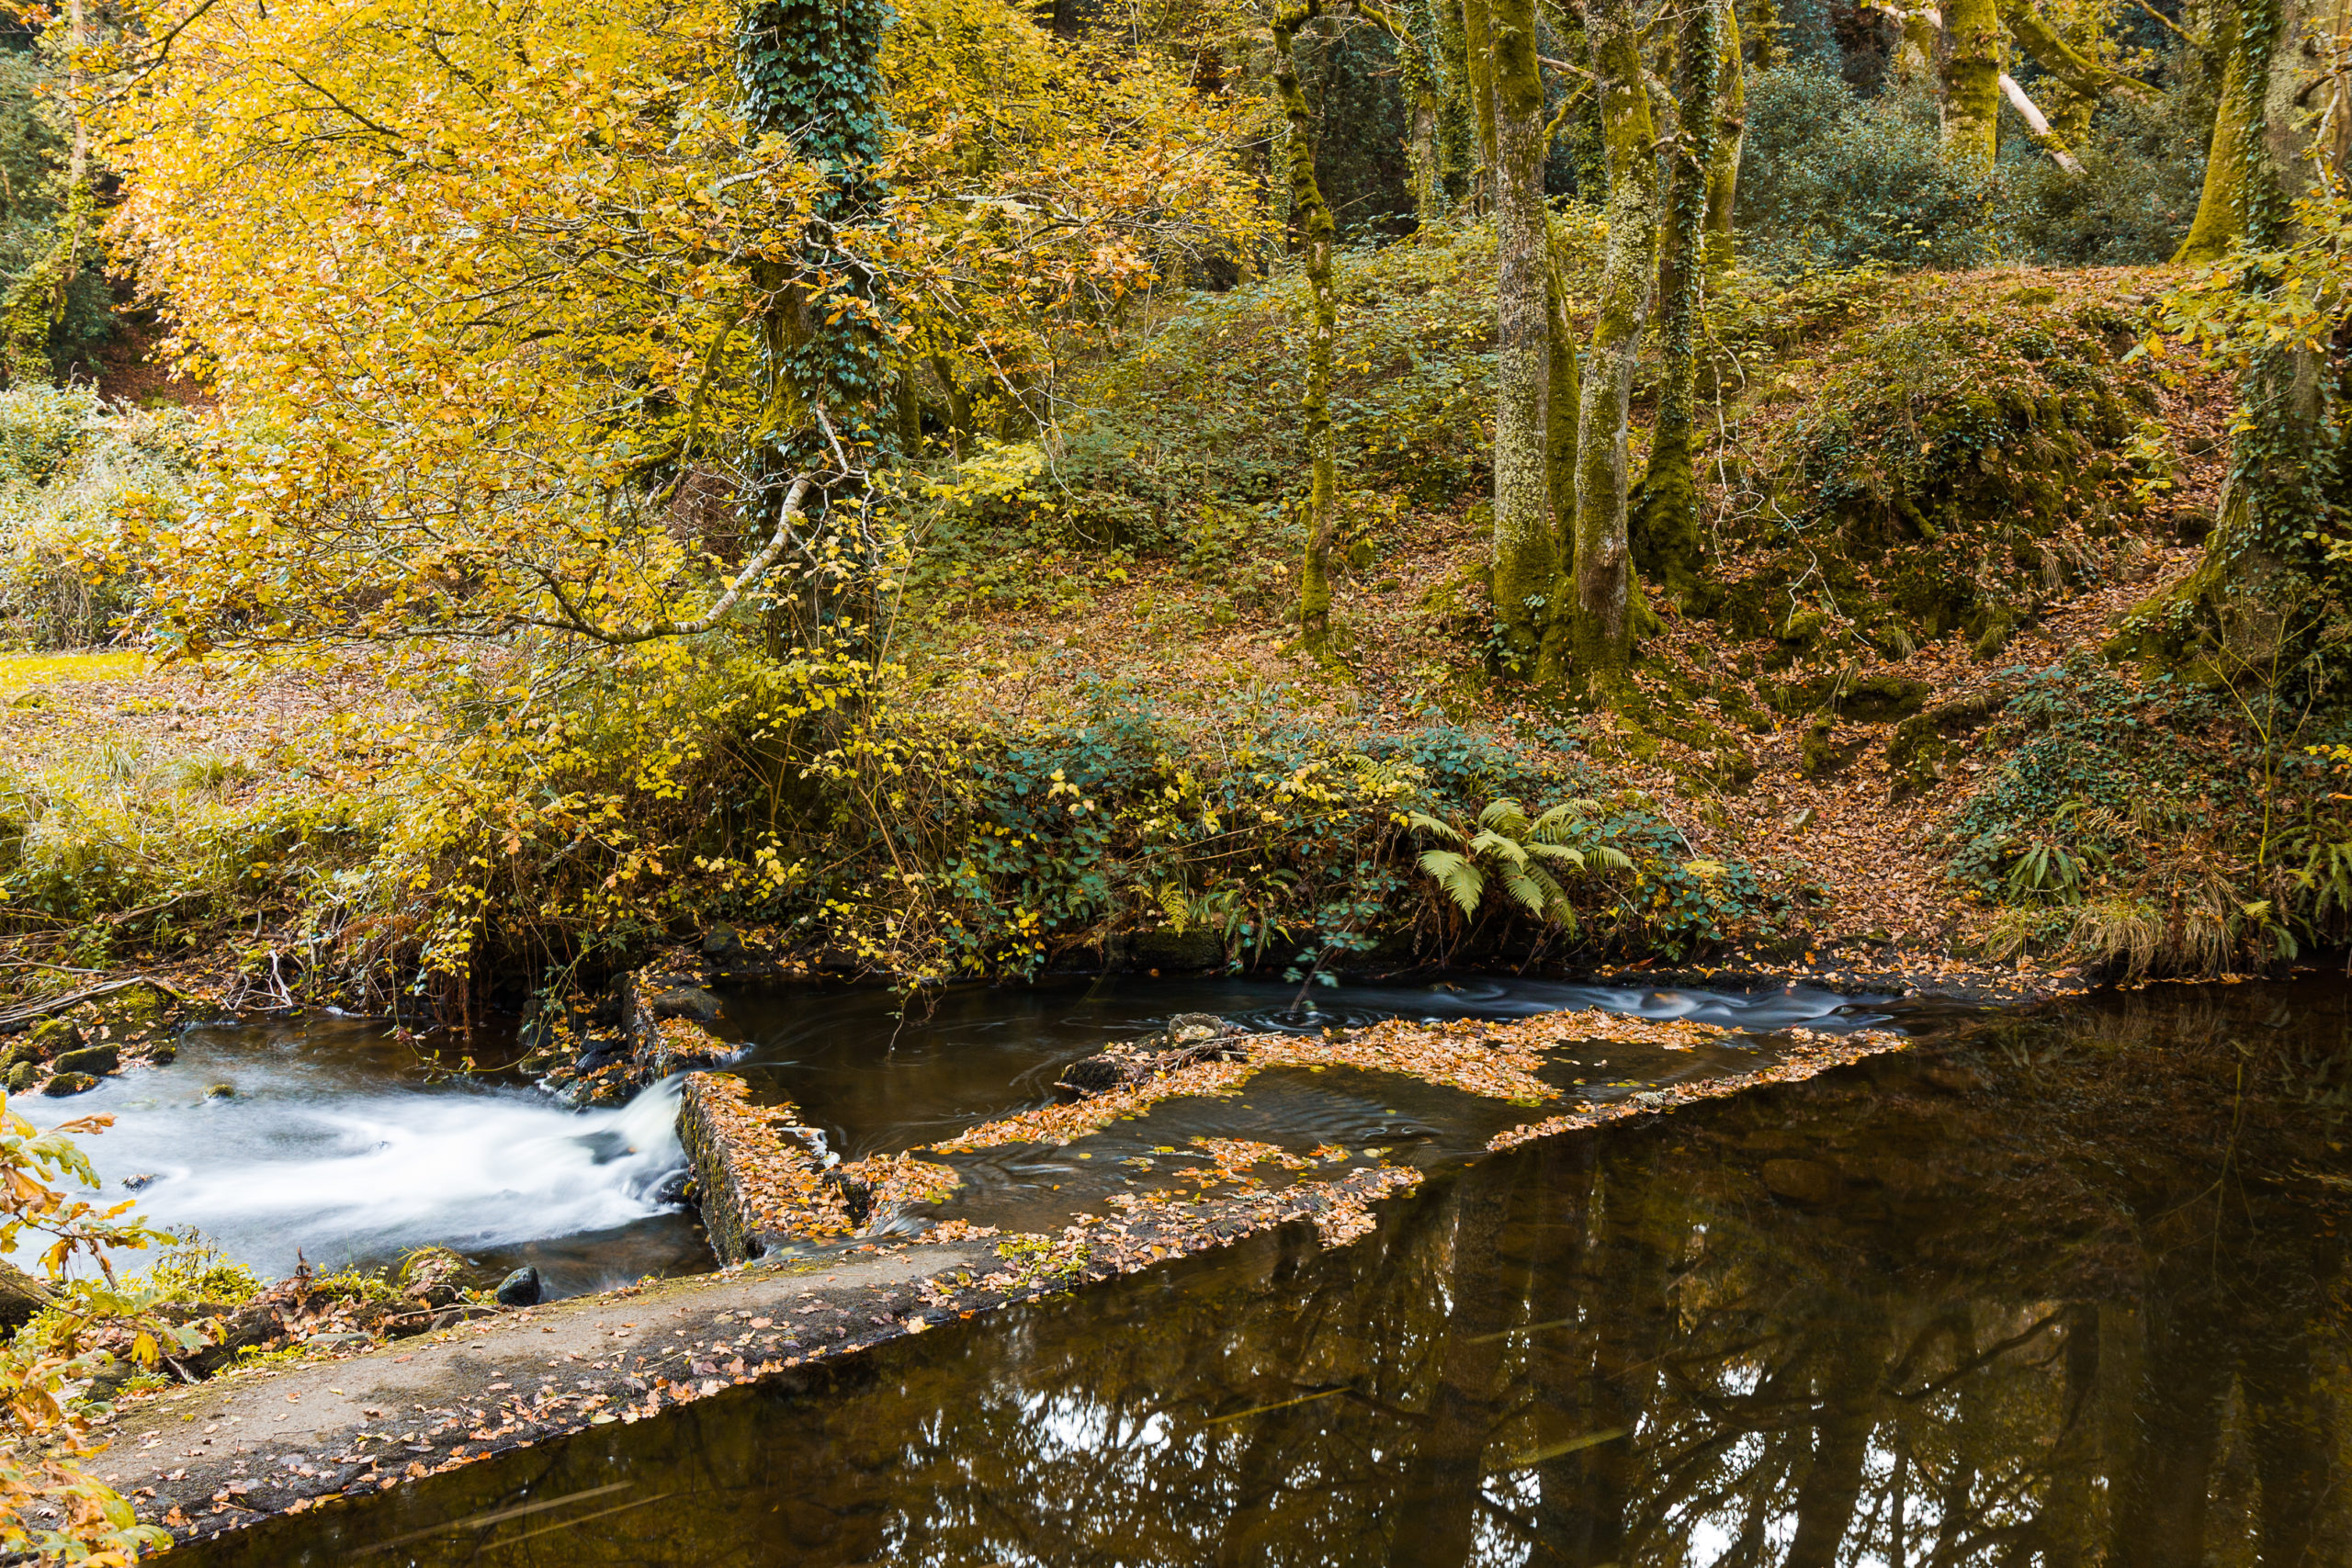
pixel 2219 208
pixel 1972 74
pixel 1459 154
pixel 1666 522
pixel 811 71
pixel 1526 564
pixel 1761 34
pixel 1601 624
pixel 1731 123
pixel 1418 83
pixel 1313 216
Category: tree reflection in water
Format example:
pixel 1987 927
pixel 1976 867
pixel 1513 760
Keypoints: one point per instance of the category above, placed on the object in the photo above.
pixel 2065 1289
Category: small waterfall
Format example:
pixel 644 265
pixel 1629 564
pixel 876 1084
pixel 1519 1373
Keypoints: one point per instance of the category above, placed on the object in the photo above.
pixel 350 1172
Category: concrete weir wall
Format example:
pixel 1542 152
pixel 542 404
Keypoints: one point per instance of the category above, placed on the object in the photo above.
pixel 755 1175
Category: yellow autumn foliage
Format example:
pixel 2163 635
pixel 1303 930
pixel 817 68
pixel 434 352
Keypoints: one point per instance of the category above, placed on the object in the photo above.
pixel 479 282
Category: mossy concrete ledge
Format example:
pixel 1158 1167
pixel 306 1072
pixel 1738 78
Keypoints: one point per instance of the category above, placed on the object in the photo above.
pixel 758 1174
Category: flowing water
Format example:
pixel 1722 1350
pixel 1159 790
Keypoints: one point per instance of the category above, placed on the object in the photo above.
pixel 2064 1286
pixel 340 1145
pixel 337 1142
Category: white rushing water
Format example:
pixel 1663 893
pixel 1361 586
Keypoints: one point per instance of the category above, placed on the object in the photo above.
pixel 327 1152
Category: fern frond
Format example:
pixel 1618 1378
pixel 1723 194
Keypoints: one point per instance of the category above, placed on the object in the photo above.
pixel 1490 842
pixel 1422 822
pixel 1522 887
pixel 1506 814
pixel 1560 853
pixel 1456 877
pixel 1559 819
pixel 1611 857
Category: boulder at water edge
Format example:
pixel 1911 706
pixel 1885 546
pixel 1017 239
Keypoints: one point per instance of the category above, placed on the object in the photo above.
pixel 99 1059
pixel 520 1289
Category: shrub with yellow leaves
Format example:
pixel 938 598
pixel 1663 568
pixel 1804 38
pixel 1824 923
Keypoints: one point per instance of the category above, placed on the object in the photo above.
pixel 48 1505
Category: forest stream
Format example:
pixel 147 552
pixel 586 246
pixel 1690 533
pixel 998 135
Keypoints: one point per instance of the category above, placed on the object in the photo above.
pixel 2067 1283
pixel 329 1141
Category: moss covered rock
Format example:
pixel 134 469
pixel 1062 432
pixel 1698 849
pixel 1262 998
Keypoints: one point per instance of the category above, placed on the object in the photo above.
pixel 1945 460
pixel 97 1059
pixel 52 1035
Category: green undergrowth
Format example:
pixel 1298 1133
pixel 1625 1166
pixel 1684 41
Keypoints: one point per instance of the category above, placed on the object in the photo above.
pixel 1250 834
pixel 119 844
pixel 84 486
pixel 2157 828
pixel 571 834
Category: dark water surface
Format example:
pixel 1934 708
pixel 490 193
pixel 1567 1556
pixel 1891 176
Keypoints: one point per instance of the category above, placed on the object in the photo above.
pixel 877 1081
pixel 2065 1288
pixel 880 1078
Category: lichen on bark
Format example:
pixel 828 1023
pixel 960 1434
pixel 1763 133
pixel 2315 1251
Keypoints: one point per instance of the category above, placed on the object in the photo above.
pixel 1526 561
pixel 1602 616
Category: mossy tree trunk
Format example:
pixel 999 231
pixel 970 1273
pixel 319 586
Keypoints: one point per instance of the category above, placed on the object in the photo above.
pixel 1421 154
pixel 1665 528
pixel 1526 561
pixel 1566 393
pixel 1313 217
pixel 2250 607
pixel 1458 153
pixel 1421 79
pixel 1731 124
pixel 2220 218
pixel 2286 458
pixel 1972 74
pixel 1601 617
pixel 1478 59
